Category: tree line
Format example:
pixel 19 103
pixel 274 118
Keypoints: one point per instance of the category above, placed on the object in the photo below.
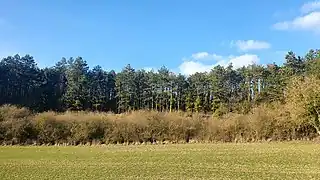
pixel 72 85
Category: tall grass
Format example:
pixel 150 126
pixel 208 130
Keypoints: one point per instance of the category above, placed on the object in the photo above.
pixel 19 126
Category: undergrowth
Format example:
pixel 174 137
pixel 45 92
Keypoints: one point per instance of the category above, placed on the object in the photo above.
pixel 20 126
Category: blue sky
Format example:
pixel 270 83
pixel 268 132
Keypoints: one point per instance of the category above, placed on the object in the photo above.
pixel 184 35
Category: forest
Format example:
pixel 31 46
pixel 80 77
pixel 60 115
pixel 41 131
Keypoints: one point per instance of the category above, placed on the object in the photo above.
pixel 71 86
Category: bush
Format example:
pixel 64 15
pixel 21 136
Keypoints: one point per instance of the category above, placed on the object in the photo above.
pixel 264 123
pixel 16 125
pixel 50 130
pixel 303 101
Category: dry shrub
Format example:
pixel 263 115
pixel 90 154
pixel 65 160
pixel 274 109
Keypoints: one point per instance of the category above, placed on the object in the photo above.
pixel 13 112
pixel 228 128
pixel 264 123
pixel 50 130
pixel 303 101
pixel 15 125
pixel 143 126
pixel 75 127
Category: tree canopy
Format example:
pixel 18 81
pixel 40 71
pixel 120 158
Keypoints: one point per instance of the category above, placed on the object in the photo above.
pixel 72 85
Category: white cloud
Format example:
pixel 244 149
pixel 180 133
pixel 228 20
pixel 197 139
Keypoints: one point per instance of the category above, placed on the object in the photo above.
pixel 310 6
pixel 192 66
pixel 250 45
pixel 155 70
pixel 148 69
pixel 282 25
pixel 205 56
pixel 243 60
pixel 309 22
pixel 200 55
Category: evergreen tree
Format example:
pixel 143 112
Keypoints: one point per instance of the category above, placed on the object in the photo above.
pixel 71 85
pixel 77 93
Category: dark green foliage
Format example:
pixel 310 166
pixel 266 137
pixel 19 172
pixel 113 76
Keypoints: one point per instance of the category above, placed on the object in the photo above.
pixel 77 94
pixel 221 104
pixel 71 85
pixel 21 82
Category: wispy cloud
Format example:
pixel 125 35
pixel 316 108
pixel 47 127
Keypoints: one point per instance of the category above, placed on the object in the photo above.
pixel 310 6
pixel 247 45
pixel 148 69
pixel 192 66
pixel 205 56
pixel 242 60
pixel 309 20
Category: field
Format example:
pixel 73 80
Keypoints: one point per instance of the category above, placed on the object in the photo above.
pixel 294 160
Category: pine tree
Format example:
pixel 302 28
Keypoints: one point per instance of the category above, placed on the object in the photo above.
pixel 77 93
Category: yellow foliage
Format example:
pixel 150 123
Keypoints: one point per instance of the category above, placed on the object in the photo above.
pixel 303 100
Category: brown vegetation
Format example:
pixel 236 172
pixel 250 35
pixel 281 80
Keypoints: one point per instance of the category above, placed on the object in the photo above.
pixel 19 126
pixel 296 119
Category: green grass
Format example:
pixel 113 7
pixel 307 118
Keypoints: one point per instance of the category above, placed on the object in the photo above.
pixel 185 161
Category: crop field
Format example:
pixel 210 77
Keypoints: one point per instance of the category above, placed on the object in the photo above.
pixel 292 160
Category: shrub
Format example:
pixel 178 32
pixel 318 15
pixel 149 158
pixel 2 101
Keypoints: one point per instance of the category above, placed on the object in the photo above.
pixel 303 101
pixel 19 126
pixel 50 130
pixel 15 125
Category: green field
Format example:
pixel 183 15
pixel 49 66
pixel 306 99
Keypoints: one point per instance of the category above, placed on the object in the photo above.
pixel 185 161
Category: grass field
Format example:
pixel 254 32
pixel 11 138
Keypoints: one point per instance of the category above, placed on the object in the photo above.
pixel 185 161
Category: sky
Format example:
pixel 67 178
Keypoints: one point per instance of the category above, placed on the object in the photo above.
pixel 186 36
